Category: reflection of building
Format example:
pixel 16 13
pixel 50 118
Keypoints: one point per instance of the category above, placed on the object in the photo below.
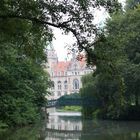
pixel 66 75
pixel 58 123
pixel 63 125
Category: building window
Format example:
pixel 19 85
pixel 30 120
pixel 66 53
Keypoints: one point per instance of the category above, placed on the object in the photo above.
pixel 59 127
pixel 52 126
pixel 52 93
pixel 55 73
pixel 62 73
pixel 59 93
pixel 53 85
pixel 69 80
pixel 75 84
pixel 59 85
pixel 75 66
pixel 59 73
pixel 65 84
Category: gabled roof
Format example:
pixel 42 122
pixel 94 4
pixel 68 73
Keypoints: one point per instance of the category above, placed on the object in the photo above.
pixel 61 66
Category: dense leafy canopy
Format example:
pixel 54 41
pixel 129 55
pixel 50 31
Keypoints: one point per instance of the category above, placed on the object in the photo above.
pixel 116 80
pixel 23 82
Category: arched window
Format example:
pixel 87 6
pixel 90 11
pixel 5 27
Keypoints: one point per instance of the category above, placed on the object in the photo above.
pixel 65 84
pixel 75 84
pixel 53 85
pixel 59 85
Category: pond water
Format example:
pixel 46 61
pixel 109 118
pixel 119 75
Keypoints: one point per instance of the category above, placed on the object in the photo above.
pixel 70 126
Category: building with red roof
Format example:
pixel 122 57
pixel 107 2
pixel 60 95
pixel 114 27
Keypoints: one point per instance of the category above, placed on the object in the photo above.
pixel 66 75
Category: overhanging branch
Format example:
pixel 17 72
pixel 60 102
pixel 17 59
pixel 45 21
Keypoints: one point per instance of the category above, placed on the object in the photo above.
pixel 60 25
pixel 31 19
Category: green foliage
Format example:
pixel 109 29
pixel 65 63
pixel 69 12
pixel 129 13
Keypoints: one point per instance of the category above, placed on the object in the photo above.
pixel 23 81
pixel 115 82
pixel 69 108
pixel 60 14
pixel 25 133
pixel 88 91
pixel 131 4
pixel 23 88
pixel 128 32
pixel 3 126
pixel 24 34
pixel 132 80
pixel 71 96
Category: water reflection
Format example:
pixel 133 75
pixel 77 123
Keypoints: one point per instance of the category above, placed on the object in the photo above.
pixel 110 130
pixel 27 133
pixel 62 126
pixel 69 123
pixel 72 127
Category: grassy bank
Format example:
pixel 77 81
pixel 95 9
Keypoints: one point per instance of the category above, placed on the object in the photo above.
pixel 69 108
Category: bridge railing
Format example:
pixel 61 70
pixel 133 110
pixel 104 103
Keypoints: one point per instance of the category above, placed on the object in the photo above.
pixel 89 102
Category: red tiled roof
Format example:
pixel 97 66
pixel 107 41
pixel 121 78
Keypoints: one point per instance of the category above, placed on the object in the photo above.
pixel 61 66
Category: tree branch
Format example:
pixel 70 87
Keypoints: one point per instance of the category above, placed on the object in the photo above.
pixel 60 25
pixel 29 18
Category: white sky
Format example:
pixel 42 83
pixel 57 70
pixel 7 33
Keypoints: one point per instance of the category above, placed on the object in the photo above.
pixel 61 41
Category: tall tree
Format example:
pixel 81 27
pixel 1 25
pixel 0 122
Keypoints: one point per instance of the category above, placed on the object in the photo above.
pixel 23 81
pixel 116 56
pixel 126 31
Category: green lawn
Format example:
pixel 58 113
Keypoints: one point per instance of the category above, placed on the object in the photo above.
pixel 69 108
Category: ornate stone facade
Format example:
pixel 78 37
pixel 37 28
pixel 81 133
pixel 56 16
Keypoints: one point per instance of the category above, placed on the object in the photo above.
pixel 66 75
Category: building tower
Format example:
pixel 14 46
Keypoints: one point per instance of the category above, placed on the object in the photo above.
pixel 51 56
